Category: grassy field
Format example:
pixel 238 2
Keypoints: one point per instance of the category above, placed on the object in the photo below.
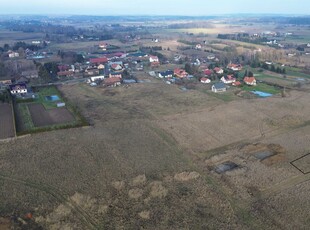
pixel 261 87
pixel 47 91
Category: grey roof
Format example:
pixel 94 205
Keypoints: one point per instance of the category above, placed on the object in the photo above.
pixel 219 85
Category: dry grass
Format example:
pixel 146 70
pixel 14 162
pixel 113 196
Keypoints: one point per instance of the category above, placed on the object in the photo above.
pixel 146 162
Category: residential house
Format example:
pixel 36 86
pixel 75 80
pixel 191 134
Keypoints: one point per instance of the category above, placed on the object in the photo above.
pixel 153 59
pixel 250 80
pixel 103 46
pixel 92 71
pixel 116 67
pixel 65 74
pixel 96 78
pixel 207 72
pixel 218 87
pixel 198 47
pixel 228 79
pixel 112 82
pixel 234 67
pixel 98 61
pixel 13 54
pixel 180 73
pixel 115 75
pixel 218 70
pixel 236 83
pixel 166 74
pixel 205 80
pixel 6 81
pixel 63 67
pixel 18 89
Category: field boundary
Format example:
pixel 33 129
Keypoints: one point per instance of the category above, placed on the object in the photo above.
pixel 299 169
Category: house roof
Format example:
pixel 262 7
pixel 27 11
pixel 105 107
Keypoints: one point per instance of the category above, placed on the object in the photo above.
pixel 249 79
pixel 204 79
pixel 217 69
pixel 166 73
pixel 65 73
pixel 178 71
pixel 98 60
pixel 236 83
pixel 219 85
pixel 207 72
pixel 18 86
pixel 112 80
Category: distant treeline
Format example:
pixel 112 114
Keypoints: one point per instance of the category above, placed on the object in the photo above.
pixel 243 37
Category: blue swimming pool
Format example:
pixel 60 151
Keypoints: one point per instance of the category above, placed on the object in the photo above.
pixel 261 94
pixel 52 98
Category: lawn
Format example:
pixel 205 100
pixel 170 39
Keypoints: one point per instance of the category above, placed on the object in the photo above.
pixel 47 91
pixel 262 87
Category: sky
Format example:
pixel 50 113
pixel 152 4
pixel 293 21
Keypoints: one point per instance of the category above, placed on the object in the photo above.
pixel 154 7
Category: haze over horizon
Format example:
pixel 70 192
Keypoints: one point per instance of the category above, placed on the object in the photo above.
pixel 159 7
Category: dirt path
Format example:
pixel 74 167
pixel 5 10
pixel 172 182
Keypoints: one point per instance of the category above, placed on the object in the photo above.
pixel 85 217
pixel 284 185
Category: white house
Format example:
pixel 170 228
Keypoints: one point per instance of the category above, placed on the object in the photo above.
pixel 228 79
pixel 18 89
pixel 205 80
pixel 198 46
pixel 154 59
pixel 218 87
pixel 13 54
pixel 96 78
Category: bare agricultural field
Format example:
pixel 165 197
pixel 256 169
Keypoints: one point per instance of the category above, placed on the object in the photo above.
pixel 148 161
pixel 7 129
pixel 11 37
pixel 46 117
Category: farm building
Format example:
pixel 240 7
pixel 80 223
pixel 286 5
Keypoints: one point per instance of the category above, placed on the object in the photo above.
pixel 218 87
pixel 18 89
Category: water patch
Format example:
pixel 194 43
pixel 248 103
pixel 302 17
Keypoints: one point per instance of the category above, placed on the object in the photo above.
pixel 261 94
pixel 226 166
pixel 52 98
pixel 263 155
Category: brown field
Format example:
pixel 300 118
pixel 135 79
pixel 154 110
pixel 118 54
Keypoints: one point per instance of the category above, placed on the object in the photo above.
pixel 43 117
pixel 11 37
pixel 148 162
pixel 7 129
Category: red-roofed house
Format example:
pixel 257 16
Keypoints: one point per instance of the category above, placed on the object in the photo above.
pixel 228 79
pixel 205 80
pixel 234 67
pixel 218 70
pixel 65 74
pixel 180 73
pixel 207 72
pixel 98 61
pixel 250 80
pixel 116 67
pixel 236 83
